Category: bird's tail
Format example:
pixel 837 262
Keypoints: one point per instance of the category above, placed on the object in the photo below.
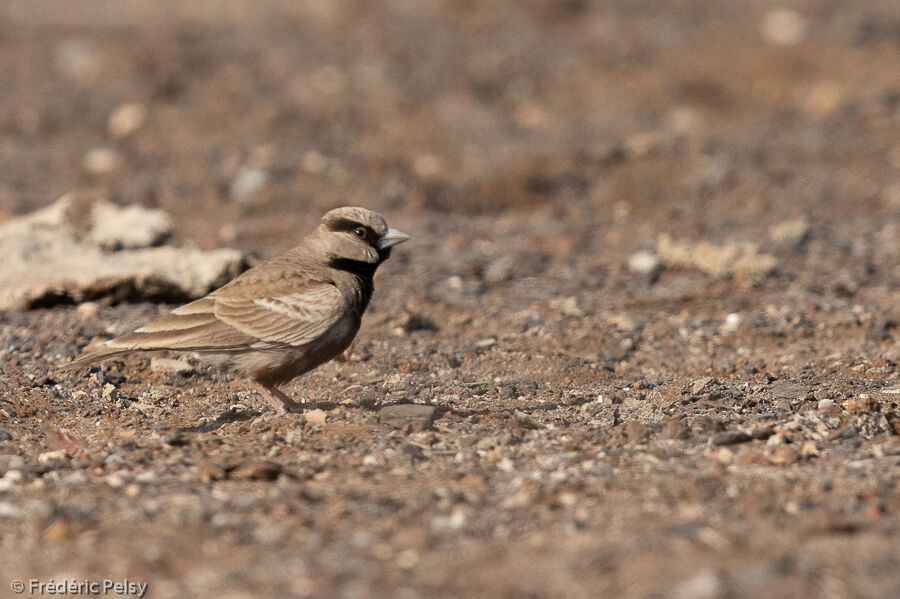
pixel 95 356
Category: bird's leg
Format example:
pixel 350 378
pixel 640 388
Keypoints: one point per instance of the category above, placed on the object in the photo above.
pixel 280 400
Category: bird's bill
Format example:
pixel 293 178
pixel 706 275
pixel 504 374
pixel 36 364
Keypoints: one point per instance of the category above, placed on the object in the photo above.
pixel 391 238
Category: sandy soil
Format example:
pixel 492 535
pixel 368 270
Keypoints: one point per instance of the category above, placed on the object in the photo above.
pixel 599 430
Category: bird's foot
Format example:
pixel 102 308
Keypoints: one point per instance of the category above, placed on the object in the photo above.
pixel 280 400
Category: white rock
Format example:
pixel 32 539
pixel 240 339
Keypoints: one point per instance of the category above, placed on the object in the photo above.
pixel 644 263
pixel 247 183
pixel 126 119
pixel 171 365
pixel 129 227
pixel 784 27
pixel 793 232
pixel 47 256
pixel 100 161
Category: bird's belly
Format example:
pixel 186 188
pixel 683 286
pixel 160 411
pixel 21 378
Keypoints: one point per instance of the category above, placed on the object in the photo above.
pixel 276 364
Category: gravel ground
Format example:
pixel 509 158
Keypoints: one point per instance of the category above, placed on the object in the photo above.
pixel 644 342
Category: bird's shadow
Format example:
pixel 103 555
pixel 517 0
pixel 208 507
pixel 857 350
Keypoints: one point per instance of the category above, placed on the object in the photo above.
pixel 231 415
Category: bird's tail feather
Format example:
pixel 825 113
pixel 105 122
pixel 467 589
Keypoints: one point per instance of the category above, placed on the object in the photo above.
pixel 94 357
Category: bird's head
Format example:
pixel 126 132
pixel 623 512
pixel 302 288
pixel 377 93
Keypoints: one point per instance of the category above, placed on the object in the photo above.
pixel 358 235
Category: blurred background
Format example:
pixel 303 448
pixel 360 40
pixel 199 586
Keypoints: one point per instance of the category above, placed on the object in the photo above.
pixel 640 195
pixel 247 119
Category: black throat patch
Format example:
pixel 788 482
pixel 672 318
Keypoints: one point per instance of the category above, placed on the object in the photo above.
pixel 363 271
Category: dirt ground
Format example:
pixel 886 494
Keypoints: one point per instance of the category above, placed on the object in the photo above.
pixel 604 426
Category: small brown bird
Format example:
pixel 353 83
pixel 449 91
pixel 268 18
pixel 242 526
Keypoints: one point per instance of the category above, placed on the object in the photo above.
pixel 281 318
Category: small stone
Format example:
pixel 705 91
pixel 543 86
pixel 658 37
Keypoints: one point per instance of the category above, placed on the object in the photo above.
pixel 5 436
pixel 294 437
pixel 499 270
pixel 783 455
pixel 731 259
pixel 9 510
pixel 675 429
pixel 316 416
pixel 701 384
pixel 370 460
pixel 109 392
pixel 732 322
pixel 644 263
pixel 52 456
pixel 783 27
pixel 14 476
pixel 809 450
pixel 57 531
pixel 211 470
pixel 485 343
pixel 787 389
pixel 526 420
pixel 100 161
pixel 790 232
pixel 115 227
pixel 171 365
pixel 87 310
pixel 256 470
pixel 570 307
pixel 115 480
pixel 863 403
pixel 824 404
pixel 114 458
pixel 247 183
pixel 314 163
pixel 126 119
pixel 79 60
pixel 723 455
pixel 408 417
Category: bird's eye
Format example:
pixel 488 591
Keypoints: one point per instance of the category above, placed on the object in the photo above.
pixel 359 232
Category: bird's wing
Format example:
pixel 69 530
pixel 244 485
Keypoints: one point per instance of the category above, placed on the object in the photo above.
pixel 296 312
pixel 193 326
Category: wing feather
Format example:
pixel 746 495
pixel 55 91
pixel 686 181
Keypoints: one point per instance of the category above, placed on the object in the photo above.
pixel 295 318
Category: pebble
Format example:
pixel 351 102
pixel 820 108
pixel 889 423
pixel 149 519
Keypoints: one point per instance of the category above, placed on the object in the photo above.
pixel 109 392
pixel 171 365
pixel 732 322
pixel 78 60
pixel 863 403
pixel 5 435
pixel 526 420
pixel 783 27
pixel 570 307
pixel 790 232
pixel 126 119
pixel 499 270
pixel 51 456
pixel 294 436
pixel 9 510
pixel 733 258
pixel 408 417
pixel 825 404
pixel 701 384
pixel 256 470
pixel 86 310
pixel 247 183
pixel 115 227
pixel 316 416
pixel 644 263
pixel 485 343
pixel 100 161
